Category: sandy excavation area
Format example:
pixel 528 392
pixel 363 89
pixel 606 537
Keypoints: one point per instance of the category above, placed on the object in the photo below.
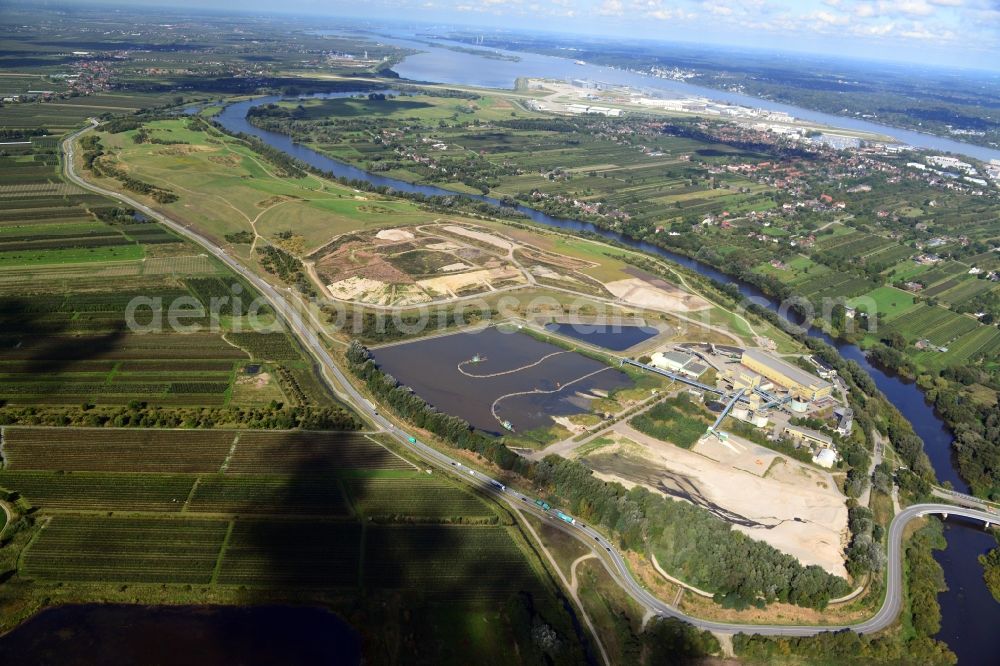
pixel 394 235
pixel 480 236
pixel 639 292
pixel 795 508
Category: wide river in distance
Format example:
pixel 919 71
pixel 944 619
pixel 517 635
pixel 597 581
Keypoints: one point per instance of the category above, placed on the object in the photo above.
pixel 974 642
pixel 442 65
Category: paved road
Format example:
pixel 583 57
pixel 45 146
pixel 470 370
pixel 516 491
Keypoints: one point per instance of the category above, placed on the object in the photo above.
pixel 612 559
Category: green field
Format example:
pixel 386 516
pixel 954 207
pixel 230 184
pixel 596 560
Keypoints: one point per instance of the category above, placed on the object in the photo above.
pixel 933 323
pixel 225 188
pixel 676 420
pixel 888 302
pixel 420 497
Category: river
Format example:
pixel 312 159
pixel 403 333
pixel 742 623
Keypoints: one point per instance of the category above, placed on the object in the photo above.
pixel 442 65
pixel 974 643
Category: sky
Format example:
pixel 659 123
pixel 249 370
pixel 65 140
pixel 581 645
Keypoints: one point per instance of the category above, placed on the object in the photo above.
pixel 963 33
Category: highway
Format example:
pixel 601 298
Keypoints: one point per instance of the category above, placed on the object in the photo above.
pixel 606 551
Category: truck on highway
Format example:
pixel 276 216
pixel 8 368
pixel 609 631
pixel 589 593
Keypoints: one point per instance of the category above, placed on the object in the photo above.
pixel 499 485
pixel 544 505
pixel 566 519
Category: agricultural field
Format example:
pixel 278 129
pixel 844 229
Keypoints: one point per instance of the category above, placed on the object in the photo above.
pixel 106 450
pixel 92 491
pixel 288 495
pixel 293 555
pixel 102 309
pixel 492 144
pixel 981 342
pixel 105 550
pixel 933 323
pixel 417 497
pixel 857 245
pixel 62 115
pixel 305 453
pixel 233 452
pixel 447 562
pixel 956 292
pixel 303 514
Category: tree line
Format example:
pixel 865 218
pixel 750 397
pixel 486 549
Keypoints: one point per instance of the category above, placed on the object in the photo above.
pixel 924 580
pixel 139 414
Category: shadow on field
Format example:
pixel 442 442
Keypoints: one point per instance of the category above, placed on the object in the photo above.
pixel 37 346
pixel 419 589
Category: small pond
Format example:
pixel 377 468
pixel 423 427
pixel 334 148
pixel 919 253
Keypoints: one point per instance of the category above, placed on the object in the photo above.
pixel 609 336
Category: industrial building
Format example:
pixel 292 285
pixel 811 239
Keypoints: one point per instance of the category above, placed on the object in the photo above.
pixel 750 416
pixel 593 110
pixel 808 436
pixel 679 362
pixel 845 420
pixel 784 374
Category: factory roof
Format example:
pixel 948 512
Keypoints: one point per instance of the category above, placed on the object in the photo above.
pixel 790 371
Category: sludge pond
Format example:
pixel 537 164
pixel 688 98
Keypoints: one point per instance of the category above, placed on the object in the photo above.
pixel 517 378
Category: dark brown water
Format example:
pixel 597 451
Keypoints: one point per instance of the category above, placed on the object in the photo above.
pixel 431 369
pixel 113 635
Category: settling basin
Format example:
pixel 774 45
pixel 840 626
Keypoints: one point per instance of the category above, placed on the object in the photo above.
pixel 517 378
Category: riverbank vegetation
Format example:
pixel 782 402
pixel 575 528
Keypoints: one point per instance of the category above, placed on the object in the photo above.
pixel 922 614
pixel 991 571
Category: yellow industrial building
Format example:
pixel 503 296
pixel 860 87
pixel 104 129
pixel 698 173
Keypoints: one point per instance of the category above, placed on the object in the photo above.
pixel 808 436
pixel 793 378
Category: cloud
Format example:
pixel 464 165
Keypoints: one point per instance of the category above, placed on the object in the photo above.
pixel 669 14
pixel 611 8
pixel 718 9
pixel 909 7
pixel 831 18
pixel 864 10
